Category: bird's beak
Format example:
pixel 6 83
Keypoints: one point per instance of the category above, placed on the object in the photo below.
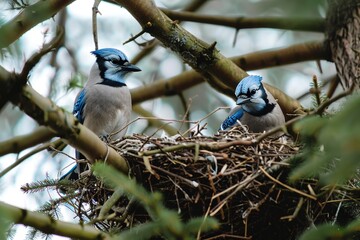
pixel 240 101
pixel 130 68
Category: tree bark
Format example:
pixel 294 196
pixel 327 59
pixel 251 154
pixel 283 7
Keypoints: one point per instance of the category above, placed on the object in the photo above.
pixel 343 36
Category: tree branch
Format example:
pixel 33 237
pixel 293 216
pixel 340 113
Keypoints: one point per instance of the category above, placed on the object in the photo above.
pixel 258 60
pixel 154 121
pixel 23 158
pixel 298 24
pixel 47 113
pixel 7 86
pixel 49 225
pixel 19 143
pixel 193 6
pixel 28 18
pixel 199 55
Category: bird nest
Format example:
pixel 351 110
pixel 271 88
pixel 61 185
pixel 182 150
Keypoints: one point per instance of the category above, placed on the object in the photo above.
pixel 229 176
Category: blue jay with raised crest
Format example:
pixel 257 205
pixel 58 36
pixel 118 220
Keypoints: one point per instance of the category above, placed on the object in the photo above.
pixel 104 104
pixel 257 108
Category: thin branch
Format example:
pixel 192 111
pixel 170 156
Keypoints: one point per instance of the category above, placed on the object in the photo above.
pixel 215 146
pixel 9 84
pixel 156 122
pixel 28 18
pixel 19 143
pixel 46 48
pixel 134 37
pixel 23 158
pixel 110 203
pixel 49 225
pixel 317 90
pixel 95 11
pixel 285 185
pixel 298 24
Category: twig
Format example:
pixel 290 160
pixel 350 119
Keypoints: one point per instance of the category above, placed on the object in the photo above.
pixel 202 119
pixel 95 11
pixel 296 212
pixel 35 58
pixel 135 36
pixel 110 203
pixel 285 185
pixel 213 146
pixel 23 158
pixel 317 90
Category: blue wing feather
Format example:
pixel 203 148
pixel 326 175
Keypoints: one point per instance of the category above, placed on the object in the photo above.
pixel 78 110
pixel 232 119
pixel 79 106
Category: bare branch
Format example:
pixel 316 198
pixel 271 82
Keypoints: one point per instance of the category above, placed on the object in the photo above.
pixel 23 158
pixel 19 143
pixel 298 24
pixel 49 225
pixel 28 18
pixel 35 58
pixel 95 11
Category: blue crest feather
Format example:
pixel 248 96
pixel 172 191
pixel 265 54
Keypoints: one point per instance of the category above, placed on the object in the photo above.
pixel 246 82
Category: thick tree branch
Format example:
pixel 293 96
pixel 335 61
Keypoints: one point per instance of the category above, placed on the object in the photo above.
pixel 202 57
pixel 298 24
pixel 28 18
pixel 7 86
pixel 46 113
pixel 192 7
pixel 19 143
pixel 49 225
pixel 258 60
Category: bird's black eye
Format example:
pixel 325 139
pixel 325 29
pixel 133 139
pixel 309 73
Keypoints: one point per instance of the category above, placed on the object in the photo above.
pixel 253 91
pixel 114 61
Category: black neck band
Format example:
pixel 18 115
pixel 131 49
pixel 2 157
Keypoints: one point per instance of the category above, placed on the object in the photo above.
pixel 111 83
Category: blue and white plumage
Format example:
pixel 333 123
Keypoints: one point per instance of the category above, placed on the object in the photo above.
pixel 257 108
pixel 104 104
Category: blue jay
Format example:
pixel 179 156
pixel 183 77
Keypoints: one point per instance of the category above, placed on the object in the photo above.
pixel 104 104
pixel 257 108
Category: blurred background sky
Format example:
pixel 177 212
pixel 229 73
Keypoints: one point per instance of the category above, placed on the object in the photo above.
pixel 115 26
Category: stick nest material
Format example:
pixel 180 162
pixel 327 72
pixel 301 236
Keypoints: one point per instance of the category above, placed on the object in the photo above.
pixel 226 176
